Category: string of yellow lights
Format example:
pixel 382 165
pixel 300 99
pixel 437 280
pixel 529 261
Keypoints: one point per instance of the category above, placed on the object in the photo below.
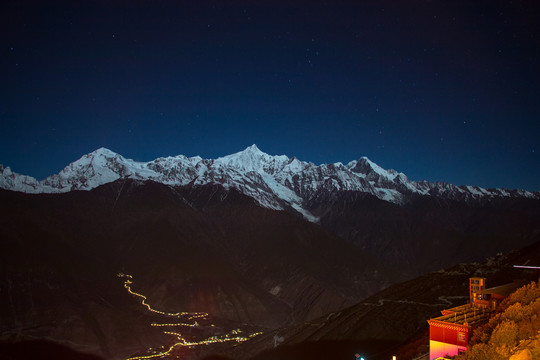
pixel 127 285
pixel 168 352
pixel 212 339
pixel 175 324
pixel 232 336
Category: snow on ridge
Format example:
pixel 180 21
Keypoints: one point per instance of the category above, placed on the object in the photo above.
pixel 475 190
pixel 252 159
pixel 389 174
pixel 12 181
pixel 275 182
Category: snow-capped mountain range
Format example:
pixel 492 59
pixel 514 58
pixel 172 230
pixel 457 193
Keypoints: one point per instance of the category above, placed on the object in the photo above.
pixel 275 182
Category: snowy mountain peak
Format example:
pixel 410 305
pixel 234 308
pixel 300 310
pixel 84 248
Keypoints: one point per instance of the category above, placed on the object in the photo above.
pixel 102 151
pixel 253 148
pixel 365 166
pixel 251 151
pixel 276 182
pixel 12 181
pixel 5 170
pixel 250 159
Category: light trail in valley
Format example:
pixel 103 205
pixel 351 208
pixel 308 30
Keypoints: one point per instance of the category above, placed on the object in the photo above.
pixel 127 285
pixel 213 339
pixel 176 324
pixel 233 336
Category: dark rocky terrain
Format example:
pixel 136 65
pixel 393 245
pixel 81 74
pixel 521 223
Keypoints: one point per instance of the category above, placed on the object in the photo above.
pixel 41 349
pixel 428 233
pixel 189 249
pixel 205 248
pixel 393 321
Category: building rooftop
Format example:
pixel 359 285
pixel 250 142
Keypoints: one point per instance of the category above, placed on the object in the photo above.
pixel 467 315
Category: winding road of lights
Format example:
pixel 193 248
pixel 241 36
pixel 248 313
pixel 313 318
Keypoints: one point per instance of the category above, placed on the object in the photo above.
pixel 232 336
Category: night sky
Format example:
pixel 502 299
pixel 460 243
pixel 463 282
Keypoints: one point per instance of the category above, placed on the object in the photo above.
pixel 440 90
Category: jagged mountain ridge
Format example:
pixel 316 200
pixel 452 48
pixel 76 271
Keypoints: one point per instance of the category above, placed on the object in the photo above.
pixel 275 182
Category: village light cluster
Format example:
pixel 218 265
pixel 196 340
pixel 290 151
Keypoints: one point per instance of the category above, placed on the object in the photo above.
pixel 213 339
pixel 232 336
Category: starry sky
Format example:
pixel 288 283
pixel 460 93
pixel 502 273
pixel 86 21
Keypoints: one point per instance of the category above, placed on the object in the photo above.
pixel 439 90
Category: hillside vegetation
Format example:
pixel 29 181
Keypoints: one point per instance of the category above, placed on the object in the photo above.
pixel 513 333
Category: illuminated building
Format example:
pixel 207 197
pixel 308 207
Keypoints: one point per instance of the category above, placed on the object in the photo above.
pixel 449 334
pixel 476 286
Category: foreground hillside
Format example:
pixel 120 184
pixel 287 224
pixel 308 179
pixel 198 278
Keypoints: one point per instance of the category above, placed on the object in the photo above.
pixel 391 322
pixel 512 334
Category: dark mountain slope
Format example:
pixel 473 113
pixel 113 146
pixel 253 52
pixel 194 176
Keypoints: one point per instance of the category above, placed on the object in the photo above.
pixel 208 249
pixel 41 349
pixel 189 249
pixel 393 316
pixel 429 233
